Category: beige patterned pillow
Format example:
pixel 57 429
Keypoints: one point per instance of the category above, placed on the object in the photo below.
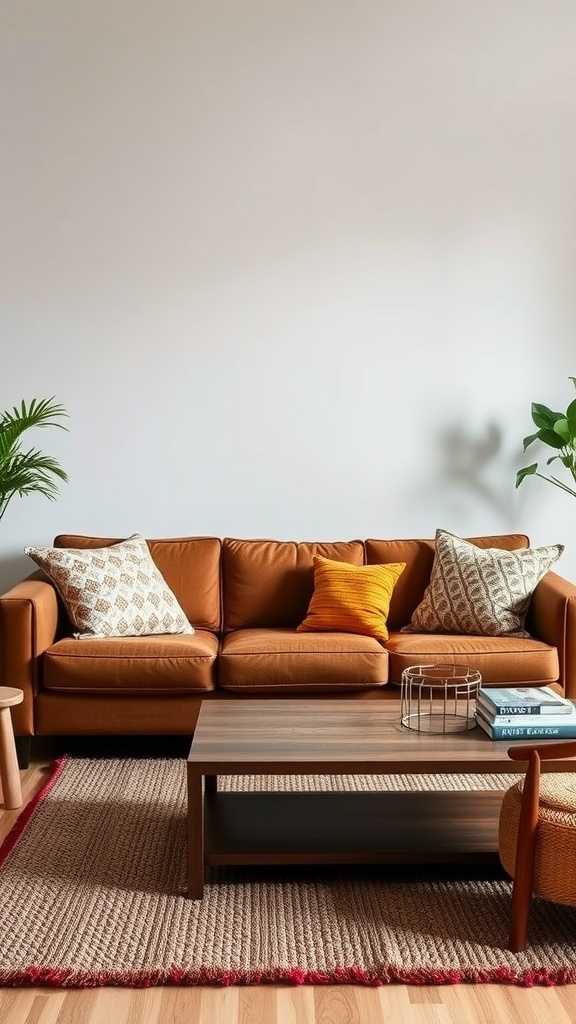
pixel 113 591
pixel 480 591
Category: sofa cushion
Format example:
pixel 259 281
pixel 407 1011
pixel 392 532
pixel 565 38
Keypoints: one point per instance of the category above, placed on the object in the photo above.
pixel 113 591
pixel 480 592
pixel 190 566
pixel 183 663
pixel 500 660
pixel 419 558
pixel 283 660
pixel 351 598
pixel 269 583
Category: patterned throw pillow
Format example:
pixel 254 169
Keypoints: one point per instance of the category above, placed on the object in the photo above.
pixel 480 591
pixel 113 591
pixel 351 598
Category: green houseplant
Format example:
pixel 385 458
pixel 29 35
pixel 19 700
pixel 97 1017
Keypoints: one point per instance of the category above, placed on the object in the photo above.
pixel 557 430
pixel 28 471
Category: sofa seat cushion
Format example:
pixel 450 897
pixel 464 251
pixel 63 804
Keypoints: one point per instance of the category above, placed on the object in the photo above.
pixel 259 660
pixel 500 660
pixel 181 663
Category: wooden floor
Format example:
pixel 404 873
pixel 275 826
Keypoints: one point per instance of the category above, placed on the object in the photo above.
pixel 389 1004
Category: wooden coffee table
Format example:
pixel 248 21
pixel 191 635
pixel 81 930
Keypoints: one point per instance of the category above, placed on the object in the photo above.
pixel 335 737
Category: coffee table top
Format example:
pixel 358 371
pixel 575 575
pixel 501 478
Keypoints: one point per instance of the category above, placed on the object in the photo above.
pixel 335 736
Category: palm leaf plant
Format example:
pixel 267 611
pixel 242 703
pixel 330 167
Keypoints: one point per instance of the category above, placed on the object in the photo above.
pixel 28 471
pixel 557 430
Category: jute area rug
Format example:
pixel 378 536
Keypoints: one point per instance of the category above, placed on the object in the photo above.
pixel 92 883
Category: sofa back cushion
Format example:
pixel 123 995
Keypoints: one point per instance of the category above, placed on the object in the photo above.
pixel 419 556
pixel 269 583
pixel 190 566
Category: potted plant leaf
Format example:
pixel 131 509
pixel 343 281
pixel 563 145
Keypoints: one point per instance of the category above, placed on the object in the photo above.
pixel 557 430
pixel 28 471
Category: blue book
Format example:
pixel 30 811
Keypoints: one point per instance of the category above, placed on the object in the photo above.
pixel 520 700
pixel 561 731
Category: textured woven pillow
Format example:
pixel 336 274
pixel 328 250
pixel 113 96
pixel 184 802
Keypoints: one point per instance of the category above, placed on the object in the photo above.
pixel 351 598
pixel 113 591
pixel 480 591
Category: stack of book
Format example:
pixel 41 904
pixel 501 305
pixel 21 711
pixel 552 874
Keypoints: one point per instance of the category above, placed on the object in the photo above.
pixel 518 713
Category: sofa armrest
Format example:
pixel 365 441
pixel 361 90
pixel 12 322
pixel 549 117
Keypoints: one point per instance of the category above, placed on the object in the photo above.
pixel 28 626
pixel 552 619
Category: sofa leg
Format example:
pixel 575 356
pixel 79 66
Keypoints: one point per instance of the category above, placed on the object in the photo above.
pixel 23 750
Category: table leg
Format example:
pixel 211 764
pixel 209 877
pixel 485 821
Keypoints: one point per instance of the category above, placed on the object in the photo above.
pixel 9 771
pixel 210 783
pixel 195 834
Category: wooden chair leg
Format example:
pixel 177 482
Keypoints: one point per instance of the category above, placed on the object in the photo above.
pixel 525 854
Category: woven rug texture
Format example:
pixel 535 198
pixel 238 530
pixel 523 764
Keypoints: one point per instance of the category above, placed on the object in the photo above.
pixel 92 893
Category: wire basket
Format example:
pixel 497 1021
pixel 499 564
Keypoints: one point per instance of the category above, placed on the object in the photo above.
pixel 439 698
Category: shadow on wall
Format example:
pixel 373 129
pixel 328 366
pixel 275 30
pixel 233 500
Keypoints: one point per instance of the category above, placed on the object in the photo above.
pixel 477 465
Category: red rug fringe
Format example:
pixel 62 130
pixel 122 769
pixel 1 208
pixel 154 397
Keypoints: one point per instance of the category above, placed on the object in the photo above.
pixel 210 976
pixel 23 819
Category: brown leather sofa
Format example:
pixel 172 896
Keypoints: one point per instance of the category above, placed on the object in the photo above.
pixel 245 599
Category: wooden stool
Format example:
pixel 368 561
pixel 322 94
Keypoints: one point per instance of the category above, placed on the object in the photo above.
pixel 9 771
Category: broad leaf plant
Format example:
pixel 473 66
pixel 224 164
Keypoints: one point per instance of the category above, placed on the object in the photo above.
pixel 557 430
pixel 28 471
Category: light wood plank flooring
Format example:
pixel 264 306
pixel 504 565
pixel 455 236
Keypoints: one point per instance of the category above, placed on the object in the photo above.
pixel 389 1004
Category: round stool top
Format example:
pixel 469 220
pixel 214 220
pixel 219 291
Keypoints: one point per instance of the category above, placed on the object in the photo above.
pixel 10 695
pixel 558 791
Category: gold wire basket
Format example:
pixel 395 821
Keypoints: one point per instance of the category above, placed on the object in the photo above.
pixel 439 698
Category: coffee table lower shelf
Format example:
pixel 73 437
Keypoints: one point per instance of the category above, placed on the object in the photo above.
pixel 349 828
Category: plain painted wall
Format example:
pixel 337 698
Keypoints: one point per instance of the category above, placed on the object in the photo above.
pixel 297 268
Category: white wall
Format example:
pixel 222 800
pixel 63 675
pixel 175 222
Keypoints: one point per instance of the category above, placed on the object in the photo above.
pixel 297 268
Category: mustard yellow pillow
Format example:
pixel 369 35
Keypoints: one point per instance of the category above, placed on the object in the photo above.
pixel 351 598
